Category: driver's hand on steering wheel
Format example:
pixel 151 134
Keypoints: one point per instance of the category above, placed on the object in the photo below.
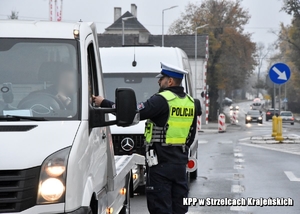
pixel 64 99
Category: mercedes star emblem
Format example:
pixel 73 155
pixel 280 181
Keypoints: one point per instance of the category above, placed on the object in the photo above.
pixel 127 144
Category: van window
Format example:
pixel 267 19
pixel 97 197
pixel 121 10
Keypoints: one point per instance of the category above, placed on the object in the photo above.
pixel 93 81
pixel 39 78
pixel 144 85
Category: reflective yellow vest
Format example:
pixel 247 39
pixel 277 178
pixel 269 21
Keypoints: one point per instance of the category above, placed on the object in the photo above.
pixel 177 128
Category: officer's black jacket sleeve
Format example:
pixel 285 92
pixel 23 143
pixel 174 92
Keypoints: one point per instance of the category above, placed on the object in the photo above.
pixel 153 107
pixel 107 104
pixel 193 131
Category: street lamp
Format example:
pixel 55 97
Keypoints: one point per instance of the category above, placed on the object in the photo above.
pixel 163 12
pixel 123 20
pixel 195 81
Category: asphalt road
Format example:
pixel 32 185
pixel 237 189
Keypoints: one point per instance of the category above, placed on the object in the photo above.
pixel 229 166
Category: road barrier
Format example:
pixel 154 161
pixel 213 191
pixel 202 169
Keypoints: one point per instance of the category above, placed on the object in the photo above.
pixel 234 118
pixel 199 123
pixel 279 129
pixel 274 126
pixel 221 123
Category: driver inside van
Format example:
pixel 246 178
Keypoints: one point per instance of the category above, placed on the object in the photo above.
pixel 62 76
pixel 64 87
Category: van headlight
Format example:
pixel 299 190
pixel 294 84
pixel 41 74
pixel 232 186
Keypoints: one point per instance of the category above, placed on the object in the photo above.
pixel 52 183
pixel 248 118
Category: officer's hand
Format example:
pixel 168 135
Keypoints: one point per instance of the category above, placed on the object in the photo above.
pixel 97 100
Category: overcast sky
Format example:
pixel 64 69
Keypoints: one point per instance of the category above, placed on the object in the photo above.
pixel 265 14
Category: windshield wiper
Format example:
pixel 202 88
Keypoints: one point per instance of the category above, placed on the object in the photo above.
pixel 18 118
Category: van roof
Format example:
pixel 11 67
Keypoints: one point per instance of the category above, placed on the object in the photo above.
pixel 119 59
pixel 37 29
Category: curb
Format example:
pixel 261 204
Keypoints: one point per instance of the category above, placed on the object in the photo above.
pixel 271 140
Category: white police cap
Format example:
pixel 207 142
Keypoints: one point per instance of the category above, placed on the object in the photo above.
pixel 171 71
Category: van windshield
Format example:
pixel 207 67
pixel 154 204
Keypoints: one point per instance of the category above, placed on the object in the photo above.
pixel 144 84
pixel 38 79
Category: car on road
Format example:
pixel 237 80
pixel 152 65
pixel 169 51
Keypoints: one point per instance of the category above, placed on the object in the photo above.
pixel 287 117
pixel 270 113
pixel 234 108
pixel 253 116
pixel 227 101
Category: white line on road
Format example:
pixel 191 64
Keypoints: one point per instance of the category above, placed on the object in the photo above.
pixel 202 141
pixel 244 139
pixel 238 155
pixel 291 176
pixel 237 188
pixel 238 167
pixel 239 160
pixel 238 208
pixel 273 149
pixel 226 142
pixel 295 135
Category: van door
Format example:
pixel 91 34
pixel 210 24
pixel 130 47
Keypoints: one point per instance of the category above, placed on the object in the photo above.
pixel 97 136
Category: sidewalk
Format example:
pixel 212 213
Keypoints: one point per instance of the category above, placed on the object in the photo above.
pixel 211 127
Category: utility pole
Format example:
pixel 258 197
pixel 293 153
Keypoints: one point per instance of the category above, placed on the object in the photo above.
pixel 162 33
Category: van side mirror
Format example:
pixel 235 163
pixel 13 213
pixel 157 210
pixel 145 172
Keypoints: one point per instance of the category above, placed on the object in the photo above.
pixel 126 111
pixel 126 107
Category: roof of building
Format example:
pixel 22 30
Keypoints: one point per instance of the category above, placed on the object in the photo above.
pixel 184 42
pixel 131 24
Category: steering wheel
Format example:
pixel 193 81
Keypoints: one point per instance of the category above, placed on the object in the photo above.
pixel 41 103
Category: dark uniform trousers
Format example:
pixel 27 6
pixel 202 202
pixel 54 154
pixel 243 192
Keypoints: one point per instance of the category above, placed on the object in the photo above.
pixel 166 187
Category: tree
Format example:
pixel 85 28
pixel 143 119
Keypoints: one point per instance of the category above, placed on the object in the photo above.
pixel 261 54
pixel 231 52
pixel 13 15
pixel 292 7
pixel 288 44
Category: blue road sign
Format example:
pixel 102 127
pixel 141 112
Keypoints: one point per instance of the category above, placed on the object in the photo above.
pixel 285 100
pixel 279 73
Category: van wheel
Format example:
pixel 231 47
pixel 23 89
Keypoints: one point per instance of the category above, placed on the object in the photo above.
pixel 126 206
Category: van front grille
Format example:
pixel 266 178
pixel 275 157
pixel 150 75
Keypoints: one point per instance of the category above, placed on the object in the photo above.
pixel 18 189
pixel 138 148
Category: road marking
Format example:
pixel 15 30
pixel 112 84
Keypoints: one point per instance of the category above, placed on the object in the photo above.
pixel 244 139
pixel 202 141
pixel 238 208
pixel 238 167
pixel 239 160
pixel 226 142
pixel 237 150
pixel 295 135
pixel 237 188
pixel 238 155
pixel 291 176
pixel 273 149
pixel 238 176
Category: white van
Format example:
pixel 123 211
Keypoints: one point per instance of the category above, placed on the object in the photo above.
pixel 56 151
pixel 136 67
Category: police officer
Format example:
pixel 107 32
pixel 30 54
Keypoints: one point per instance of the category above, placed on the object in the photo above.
pixel 170 130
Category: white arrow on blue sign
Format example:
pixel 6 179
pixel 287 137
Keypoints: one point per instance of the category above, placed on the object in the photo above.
pixel 279 73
